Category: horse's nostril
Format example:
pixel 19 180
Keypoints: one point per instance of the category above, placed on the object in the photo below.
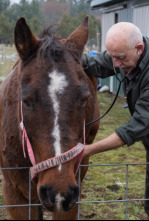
pixel 74 190
pixel 54 201
pixel 47 196
pixel 71 197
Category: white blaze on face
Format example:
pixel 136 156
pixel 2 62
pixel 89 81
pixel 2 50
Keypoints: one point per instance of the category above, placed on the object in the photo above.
pixel 57 86
pixel 59 200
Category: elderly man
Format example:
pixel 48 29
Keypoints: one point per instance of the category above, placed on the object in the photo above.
pixel 128 54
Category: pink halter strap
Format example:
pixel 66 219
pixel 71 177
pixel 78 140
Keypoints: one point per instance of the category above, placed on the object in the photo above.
pixel 25 138
pixel 53 162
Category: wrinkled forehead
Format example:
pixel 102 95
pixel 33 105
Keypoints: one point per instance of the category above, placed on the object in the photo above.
pixel 117 46
pixel 117 53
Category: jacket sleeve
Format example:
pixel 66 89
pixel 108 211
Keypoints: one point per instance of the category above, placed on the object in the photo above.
pixel 138 126
pixel 99 65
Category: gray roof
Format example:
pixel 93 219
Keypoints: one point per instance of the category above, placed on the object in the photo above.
pixel 138 3
pixel 104 3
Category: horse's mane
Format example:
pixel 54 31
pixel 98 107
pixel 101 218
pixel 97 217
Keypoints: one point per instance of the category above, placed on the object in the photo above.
pixel 48 31
pixel 51 46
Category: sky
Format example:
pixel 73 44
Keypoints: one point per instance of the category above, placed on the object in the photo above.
pixel 15 1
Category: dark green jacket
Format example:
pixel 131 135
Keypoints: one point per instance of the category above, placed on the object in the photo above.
pixel 136 88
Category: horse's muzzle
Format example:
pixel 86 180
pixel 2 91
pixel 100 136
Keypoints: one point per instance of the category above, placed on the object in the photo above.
pixel 57 202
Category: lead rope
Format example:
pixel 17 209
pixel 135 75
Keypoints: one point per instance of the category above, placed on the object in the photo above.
pixel 81 154
pixel 25 138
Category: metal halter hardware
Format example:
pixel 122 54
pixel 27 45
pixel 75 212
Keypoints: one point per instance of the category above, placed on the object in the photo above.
pixel 76 151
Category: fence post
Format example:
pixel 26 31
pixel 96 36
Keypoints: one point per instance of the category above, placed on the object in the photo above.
pixel 111 84
pixel 79 198
pixel 30 195
pixel 3 50
pixel 126 217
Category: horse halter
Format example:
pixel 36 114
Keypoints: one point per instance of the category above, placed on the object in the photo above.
pixel 76 151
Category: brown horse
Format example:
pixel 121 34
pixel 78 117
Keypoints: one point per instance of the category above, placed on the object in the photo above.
pixel 50 94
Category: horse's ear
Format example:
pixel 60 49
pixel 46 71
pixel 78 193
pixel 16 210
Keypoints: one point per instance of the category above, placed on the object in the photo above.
pixel 26 43
pixel 79 37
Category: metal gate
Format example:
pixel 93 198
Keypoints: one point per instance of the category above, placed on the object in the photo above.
pixel 126 200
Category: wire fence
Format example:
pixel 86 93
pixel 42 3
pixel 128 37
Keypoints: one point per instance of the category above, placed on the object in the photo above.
pixel 5 46
pixel 126 188
pixel 126 200
pixel 3 51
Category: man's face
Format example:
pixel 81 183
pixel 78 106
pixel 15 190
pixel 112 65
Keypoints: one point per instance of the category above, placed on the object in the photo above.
pixel 123 56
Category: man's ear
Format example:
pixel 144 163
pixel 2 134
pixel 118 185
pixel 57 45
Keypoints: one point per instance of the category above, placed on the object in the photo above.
pixel 25 41
pixel 140 48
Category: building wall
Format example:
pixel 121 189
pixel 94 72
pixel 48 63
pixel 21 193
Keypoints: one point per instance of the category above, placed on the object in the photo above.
pixel 109 19
pixel 107 22
pixel 141 18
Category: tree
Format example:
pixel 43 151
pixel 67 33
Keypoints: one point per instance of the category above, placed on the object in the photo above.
pixel 69 24
pixel 35 26
pixel 66 26
pixel 54 11
pixel 78 7
pixel 6 30
pixel 4 4
pixel 68 14
pixel 32 11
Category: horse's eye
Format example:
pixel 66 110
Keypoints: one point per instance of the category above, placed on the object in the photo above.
pixel 84 99
pixel 28 103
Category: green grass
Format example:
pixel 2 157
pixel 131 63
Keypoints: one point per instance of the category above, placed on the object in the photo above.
pixel 1 193
pixel 3 212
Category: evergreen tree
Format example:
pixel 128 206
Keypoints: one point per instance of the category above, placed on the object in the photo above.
pixel 69 24
pixel 4 4
pixel 6 30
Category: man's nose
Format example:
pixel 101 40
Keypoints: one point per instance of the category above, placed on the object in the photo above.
pixel 117 63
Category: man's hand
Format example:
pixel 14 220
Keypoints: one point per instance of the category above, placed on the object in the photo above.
pixel 87 151
pixel 109 143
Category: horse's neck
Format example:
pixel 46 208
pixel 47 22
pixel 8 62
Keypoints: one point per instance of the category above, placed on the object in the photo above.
pixel 9 113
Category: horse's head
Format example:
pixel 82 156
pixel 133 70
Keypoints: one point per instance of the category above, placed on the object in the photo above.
pixel 54 95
